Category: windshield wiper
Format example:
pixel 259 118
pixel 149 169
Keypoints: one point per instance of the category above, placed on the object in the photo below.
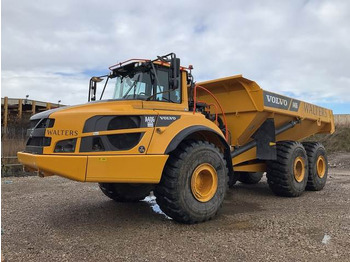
pixel 157 85
pixel 131 87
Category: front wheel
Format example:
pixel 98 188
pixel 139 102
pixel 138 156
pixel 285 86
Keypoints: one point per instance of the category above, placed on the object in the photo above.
pixel 194 182
pixel 126 192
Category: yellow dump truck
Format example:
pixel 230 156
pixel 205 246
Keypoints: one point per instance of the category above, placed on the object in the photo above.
pixel 154 129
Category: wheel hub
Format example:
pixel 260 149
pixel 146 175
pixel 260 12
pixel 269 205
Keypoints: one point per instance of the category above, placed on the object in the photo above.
pixel 299 169
pixel 321 166
pixel 204 182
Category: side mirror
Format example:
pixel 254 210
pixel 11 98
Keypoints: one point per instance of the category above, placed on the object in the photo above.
pixel 92 88
pixel 174 72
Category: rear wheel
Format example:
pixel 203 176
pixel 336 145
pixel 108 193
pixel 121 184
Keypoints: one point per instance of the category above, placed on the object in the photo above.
pixel 288 174
pixel 318 165
pixel 126 192
pixel 194 182
pixel 250 177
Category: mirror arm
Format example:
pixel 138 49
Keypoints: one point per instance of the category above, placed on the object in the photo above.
pixel 93 86
pixel 104 88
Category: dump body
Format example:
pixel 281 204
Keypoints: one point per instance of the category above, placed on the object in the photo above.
pixel 247 106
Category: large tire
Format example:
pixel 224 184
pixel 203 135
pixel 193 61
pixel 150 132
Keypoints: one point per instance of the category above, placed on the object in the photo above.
pixel 250 177
pixel 288 175
pixel 194 182
pixel 126 192
pixel 318 165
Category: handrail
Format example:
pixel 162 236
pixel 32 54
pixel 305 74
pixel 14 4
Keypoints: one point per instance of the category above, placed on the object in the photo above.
pixel 216 100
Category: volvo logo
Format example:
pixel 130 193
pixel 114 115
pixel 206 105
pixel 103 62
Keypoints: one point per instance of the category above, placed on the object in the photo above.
pixel 277 100
pixel 168 118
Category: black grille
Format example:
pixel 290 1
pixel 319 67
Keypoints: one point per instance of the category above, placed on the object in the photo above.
pixel 37 139
pixel 103 123
pixel 115 142
pixel 33 123
pixel 123 122
pixel 124 141
pixel 46 123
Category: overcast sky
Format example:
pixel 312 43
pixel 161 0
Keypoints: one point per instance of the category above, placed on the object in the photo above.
pixel 50 49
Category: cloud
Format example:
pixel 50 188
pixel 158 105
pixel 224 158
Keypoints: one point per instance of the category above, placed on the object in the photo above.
pixel 46 86
pixel 297 47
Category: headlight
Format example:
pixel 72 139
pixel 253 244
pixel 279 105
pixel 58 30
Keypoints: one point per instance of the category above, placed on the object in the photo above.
pixel 66 146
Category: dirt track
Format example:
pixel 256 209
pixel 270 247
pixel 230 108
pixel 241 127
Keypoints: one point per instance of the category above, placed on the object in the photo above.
pixel 54 219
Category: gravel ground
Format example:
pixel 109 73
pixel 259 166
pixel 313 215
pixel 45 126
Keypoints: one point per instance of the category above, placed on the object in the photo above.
pixel 54 219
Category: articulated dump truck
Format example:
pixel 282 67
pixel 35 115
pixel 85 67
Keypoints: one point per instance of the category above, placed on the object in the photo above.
pixel 154 129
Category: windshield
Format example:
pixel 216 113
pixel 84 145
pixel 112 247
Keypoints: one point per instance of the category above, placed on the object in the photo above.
pixel 142 86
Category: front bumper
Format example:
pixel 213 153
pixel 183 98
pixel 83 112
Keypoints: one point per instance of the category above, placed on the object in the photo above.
pixel 105 168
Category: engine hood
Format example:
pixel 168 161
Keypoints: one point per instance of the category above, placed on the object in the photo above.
pixel 104 107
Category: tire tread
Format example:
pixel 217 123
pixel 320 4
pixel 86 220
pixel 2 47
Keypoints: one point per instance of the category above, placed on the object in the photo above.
pixel 167 197
pixel 277 170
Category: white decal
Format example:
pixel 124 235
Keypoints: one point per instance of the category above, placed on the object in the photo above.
pixel 277 100
pixel 170 118
pixel 150 121
pixel 295 105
